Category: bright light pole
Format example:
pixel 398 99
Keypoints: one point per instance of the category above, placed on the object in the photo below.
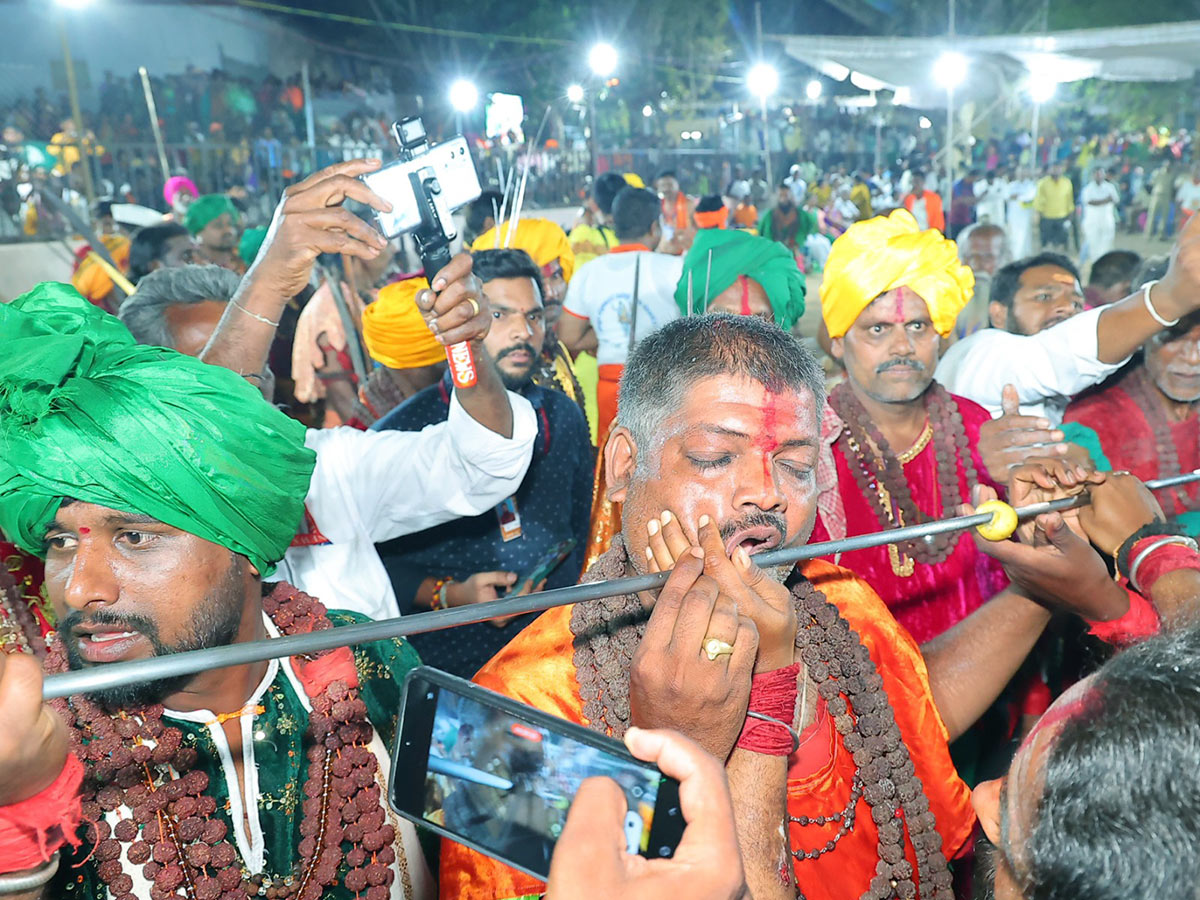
pixel 575 93
pixel 763 80
pixel 463 97
pixel 1041 90
pixel 813 90
pixel 602 60
pixel 85 161
pixel 949 70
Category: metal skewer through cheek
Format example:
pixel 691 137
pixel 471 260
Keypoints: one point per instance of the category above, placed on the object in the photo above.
pixel 139 671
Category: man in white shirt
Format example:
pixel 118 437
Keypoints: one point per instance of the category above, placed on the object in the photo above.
pixel 1188 197
pixel 1044 344
pixel 992 192
pixel 606 312
pixel 1099 222
pixel 1019 213
pixel 373 486
pixel 797 185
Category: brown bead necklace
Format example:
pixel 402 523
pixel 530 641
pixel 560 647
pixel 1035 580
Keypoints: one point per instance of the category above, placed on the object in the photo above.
pixel 133 759
pixel 879 471
pixel 1147 398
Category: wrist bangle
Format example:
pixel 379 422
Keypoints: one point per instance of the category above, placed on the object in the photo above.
pixel 1161 542
pixel 267 321
pixel 1150 306
pixel 438 600
pixel 19 884
pixel 792 733
pixel 1153 529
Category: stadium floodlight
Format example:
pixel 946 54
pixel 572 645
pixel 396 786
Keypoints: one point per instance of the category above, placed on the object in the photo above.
pixel 950 69
pixel 1041 88
pixel 762 80
pixel 575 93
pixel 602 59
pixel 813 90
pixel 647 110
pixel 74 4
pixel 463 95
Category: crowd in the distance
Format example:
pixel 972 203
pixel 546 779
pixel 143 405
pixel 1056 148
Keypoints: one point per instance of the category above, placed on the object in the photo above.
pixel 227 430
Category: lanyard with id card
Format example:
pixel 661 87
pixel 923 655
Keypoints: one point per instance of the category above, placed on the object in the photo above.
pixel 510 519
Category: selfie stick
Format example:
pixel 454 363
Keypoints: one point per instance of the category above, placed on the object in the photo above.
pixel 433 238
pixel 137 672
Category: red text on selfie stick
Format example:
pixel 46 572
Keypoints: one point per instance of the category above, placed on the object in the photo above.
pixel 462 364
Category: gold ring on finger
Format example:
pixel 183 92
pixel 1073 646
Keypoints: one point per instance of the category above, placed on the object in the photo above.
pixel 474 306
pixel 715 647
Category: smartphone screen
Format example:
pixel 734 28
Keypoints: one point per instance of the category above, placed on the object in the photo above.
pixel 456 175
pixel 548 563
pixel 501 777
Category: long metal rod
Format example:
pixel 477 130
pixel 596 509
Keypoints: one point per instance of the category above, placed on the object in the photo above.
pixel 140 671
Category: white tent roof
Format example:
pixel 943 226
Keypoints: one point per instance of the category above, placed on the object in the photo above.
pixel 1166 52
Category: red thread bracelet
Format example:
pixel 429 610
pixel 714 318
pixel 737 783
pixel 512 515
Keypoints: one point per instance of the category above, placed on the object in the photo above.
pixel 1139 623
pixel 772 694
pixel 32 830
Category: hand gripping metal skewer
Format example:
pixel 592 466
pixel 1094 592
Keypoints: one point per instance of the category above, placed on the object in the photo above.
pixel 189 663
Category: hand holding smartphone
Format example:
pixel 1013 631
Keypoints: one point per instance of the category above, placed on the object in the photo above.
pixel 500 777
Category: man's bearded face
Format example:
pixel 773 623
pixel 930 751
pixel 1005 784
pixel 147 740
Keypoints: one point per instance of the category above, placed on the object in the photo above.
pixel 127 587
pixel 735 451
pixel 220 234
pixel 1173 362
pixel 891 350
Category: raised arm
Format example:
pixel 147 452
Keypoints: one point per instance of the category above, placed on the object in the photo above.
pixel 308 221
pixel 1123 327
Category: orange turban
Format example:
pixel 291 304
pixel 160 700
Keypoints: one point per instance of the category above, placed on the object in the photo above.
pixel 540 238
pixel 887 252
pixel 395 331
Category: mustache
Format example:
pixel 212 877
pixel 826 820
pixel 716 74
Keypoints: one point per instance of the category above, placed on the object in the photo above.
pixel 910 361
pixel 754 520
pixel 516 348
pixel 137 623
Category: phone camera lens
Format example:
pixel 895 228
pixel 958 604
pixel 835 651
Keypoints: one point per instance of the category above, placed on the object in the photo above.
pixel 664 852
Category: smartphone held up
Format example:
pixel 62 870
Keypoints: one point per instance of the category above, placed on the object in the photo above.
pixel 425 185
pixel 500 777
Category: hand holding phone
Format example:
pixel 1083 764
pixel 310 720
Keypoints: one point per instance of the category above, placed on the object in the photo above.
pixel 590 863
pixel 500 777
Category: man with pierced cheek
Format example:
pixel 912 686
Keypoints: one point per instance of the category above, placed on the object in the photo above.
pixel 1101 800
pixel 798 680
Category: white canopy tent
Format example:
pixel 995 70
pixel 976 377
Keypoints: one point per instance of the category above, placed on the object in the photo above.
pixel 1165 52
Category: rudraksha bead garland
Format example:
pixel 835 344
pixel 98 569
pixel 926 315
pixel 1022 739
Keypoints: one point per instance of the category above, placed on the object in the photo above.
pixel 1146 397
pixel 950 448
pixel 134 759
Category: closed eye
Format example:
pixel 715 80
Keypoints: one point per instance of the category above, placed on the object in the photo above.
pixel 710 462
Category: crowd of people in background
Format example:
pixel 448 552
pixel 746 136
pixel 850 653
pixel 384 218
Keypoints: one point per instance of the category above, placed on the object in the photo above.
pixel 239 422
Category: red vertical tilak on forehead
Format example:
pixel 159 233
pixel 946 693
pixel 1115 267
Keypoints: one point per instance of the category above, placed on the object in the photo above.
pixel 899 320
pixel 745 294
pixel 767 441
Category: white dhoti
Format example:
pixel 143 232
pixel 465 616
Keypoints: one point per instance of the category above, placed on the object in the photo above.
pixel 1099 232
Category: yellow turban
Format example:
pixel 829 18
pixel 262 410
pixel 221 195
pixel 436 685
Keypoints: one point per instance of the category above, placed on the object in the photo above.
pixel 395 331
pixel 887 252
pixel 633 179
pixel 540 238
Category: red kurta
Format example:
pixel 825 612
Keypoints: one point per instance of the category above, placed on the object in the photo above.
pixel 934 597
pixel 1128 441
pixel 538 668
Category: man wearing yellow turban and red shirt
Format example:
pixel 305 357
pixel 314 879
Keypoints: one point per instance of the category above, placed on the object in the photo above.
pixel 898 448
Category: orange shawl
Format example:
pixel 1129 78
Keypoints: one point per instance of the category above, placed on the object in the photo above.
pixel 537 668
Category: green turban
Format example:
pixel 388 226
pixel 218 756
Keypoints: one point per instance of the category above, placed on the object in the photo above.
pixel 204 209
pixel 87 413
pixel 735 253
pixel 251 243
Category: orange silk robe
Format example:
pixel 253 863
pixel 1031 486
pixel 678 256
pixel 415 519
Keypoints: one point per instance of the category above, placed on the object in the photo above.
pixel 537 668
